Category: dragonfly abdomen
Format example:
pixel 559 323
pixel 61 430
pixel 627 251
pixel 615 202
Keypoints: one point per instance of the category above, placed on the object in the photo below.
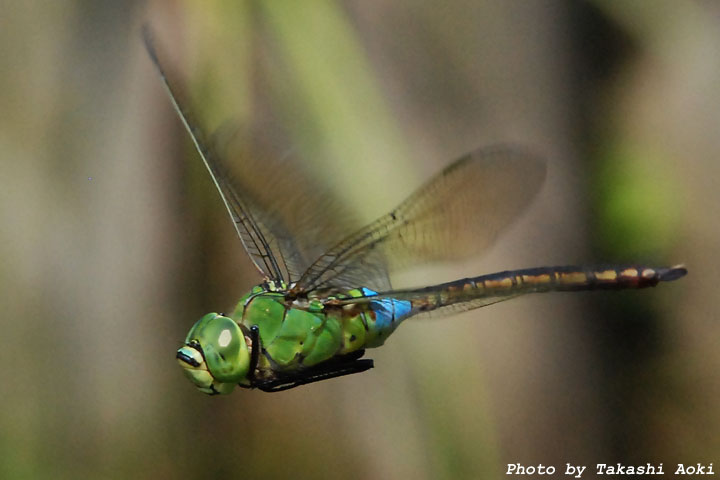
pixel 570 278
pixel 475 292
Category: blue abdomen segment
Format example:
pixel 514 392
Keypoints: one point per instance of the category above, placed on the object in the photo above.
pixel 388 312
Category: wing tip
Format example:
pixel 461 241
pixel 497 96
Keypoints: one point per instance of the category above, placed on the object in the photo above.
pixel 148 38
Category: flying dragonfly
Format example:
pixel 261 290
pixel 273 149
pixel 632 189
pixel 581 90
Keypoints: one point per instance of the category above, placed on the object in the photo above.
pixel 315 313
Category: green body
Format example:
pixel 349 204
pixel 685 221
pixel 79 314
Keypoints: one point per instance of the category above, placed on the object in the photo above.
pixel 294 335
pixel 303 333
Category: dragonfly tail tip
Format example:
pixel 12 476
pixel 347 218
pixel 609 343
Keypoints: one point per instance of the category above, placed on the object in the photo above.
pixel 672 273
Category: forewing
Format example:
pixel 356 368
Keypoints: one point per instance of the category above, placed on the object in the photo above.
pixel 263 248
pixel 303 217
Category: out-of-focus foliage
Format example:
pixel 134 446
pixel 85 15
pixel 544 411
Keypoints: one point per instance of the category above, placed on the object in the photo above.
pixel 113 241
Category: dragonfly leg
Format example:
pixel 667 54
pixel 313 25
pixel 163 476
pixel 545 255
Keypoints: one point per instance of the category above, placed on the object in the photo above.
pixel 346 365
pixel 255 352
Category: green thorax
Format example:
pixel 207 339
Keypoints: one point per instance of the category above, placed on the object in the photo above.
pixel 303 332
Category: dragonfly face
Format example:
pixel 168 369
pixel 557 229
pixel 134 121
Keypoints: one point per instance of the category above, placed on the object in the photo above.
pixel 215 355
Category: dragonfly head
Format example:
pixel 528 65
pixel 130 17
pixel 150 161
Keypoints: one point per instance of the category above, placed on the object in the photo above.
pixel 215 356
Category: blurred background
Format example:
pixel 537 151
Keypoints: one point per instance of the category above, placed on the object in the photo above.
pixel 113 241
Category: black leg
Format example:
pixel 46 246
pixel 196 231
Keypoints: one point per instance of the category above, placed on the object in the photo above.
pixel 255 353
pixel 316 374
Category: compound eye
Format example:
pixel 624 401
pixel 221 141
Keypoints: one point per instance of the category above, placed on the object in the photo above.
pixel 224 333
pixel 223 348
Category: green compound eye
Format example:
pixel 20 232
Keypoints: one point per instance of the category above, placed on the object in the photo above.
pixel 223 346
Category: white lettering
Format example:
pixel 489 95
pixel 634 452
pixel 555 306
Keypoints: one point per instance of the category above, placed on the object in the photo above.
pixel 697 469
pixel 520 469
pixel 572 470
pixel 620 469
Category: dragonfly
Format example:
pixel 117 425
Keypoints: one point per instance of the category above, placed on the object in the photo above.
pixel 315 313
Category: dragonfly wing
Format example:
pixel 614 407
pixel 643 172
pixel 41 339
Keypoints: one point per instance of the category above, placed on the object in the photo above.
pixel 303 215
pixel 450 308
pixel 456 214
pixel 265 249
pixel 455 308
pixel 433 302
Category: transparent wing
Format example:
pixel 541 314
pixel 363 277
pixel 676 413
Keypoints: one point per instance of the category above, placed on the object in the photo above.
pixel 301 215
pixel 284 217
pixel 265 250
pixel 441 300
pixel 287 222
pixel 456 214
